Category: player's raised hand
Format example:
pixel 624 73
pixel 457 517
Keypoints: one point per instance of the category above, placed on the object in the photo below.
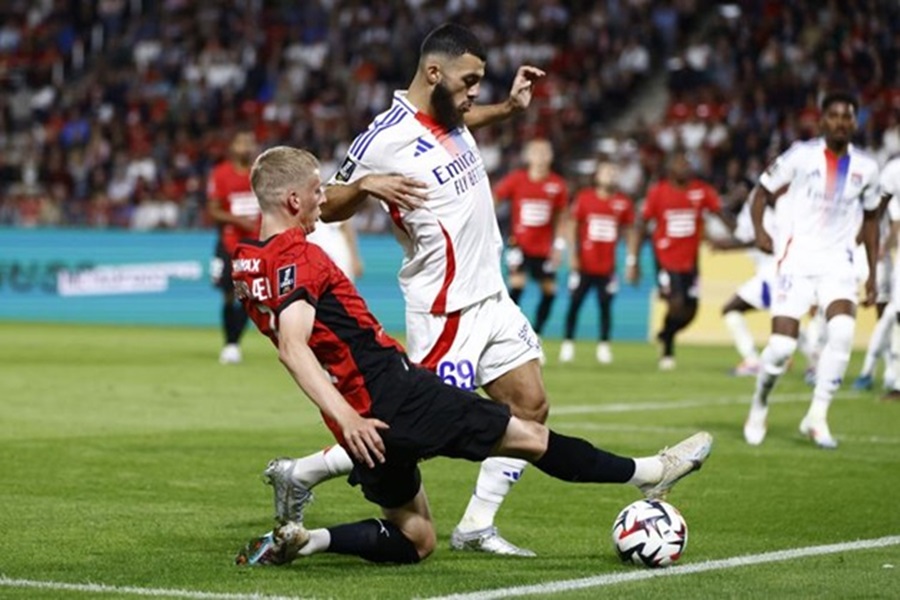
pixel 523 86
pixel 405 192
pixel 363 440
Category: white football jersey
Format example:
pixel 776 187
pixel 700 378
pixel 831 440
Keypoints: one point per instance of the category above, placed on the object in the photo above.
pixel 743 231
pixel 821 212
pixel 451 245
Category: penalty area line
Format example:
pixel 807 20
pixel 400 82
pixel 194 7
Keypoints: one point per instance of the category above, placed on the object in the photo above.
pixel 100 588
pixel 702 567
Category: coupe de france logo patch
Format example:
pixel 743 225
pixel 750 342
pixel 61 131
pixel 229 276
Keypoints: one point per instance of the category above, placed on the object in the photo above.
pixel 287 278
pixel 346 170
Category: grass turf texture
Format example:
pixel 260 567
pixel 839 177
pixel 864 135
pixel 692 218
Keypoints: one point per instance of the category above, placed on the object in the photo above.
pixel 132 458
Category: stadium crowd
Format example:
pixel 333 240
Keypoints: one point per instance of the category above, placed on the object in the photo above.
pixel 113 112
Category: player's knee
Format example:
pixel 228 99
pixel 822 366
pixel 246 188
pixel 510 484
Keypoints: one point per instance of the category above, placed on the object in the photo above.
pixel 840 333
pixel 781 348
pixel 425 543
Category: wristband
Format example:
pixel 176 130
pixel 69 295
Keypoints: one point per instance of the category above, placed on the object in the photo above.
pixel 630 260
pixel 559 244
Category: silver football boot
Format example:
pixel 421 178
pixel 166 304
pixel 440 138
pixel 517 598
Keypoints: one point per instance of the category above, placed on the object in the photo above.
pixel 291 497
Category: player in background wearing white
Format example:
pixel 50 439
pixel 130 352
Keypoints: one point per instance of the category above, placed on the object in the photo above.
pixel 338 240
pixel 753 294
pixel 890 189
pixel 880 341
pixel 460 321
pixel 832 188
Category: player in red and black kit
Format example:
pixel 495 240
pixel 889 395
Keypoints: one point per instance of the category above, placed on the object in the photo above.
pixel 232 206
pixel 386 412
pixel 600 217
pixel 676 205
pixel 538 199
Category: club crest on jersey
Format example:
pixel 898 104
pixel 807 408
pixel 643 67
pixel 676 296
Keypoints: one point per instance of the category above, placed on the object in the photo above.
pixel 346 170
pixel 856 179
pixel 287 278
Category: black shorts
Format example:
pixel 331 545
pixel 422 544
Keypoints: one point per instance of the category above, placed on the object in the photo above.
pixel 675 285
pixel 539 268
pixel 427 418
pixel 220 269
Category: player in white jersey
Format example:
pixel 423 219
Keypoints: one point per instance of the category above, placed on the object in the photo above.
pixel 460 320
pixel 832 188
pixel 890 189
pixel 753 294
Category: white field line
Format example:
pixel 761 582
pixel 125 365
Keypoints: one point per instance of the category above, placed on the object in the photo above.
pixel 622 407
pixel 99 588
pixel 711 565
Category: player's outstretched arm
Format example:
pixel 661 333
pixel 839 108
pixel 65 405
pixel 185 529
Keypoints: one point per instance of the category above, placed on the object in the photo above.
pixel 870 232
pixel 361 435
pixel 519 98
pixel 344 200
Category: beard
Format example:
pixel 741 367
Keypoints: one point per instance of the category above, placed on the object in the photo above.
pixel 445 112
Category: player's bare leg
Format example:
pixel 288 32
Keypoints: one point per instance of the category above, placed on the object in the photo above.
pixel 733 315
pixel 522 389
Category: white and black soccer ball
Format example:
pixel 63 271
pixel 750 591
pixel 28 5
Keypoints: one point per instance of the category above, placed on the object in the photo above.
pixel 650 533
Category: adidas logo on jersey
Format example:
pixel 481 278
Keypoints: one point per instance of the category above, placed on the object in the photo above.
pixel 422 146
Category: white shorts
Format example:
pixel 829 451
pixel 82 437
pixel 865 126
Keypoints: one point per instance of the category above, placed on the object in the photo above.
pixel 795 294
pixel 474 346
pixel 757 292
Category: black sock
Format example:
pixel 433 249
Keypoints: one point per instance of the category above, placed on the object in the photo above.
pixel 573 459
pixel 543 312
pixel 234 319
pixel 515 294
pixel 374 540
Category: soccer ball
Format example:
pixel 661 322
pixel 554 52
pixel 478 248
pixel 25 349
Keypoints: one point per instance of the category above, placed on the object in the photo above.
pixel 651 533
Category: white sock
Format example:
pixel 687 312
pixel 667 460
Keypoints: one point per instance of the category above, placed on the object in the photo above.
pixel 648 469
pixel 880 339
pixel 895 352
pixel 815 339
pixel 743 339
pixel 774 358
pixel 832 365
pixel 496 478
pixel 319 541
pixel 323 465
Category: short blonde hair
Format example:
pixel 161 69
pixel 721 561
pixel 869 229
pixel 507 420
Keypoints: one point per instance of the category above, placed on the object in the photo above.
pixel 278 169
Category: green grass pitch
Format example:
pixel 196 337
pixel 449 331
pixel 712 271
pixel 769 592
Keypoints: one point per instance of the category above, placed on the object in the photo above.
pixel 131 458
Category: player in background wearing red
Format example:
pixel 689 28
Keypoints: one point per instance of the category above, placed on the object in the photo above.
pixel 676 205
pixel 600 217
pixel 538 200
pixel 232 206
pixel 384 410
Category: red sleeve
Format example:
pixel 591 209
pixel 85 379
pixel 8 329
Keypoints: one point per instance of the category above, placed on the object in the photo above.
pixel 504 190
pixel 214 188
pixel 562 200
pixel 628 214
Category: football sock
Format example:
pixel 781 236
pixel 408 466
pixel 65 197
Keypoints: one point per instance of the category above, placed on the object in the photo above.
pixel 895 350
pixel 543 312
pixel 319 541
pixel 575 301
pixel 375 540
pixel 774 359
pixel 515 294
pixel 234 319
pixel 880 340
pixel 321 466
pixel 743 340
pixel 495 479
pixel 832 364
pixel 605 317
pixel 575 460
pixel 647 470
pixel 814 339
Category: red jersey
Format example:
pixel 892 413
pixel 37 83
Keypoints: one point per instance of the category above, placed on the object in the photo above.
pixel 600 220
pixel 678 212
pixel 346 339
pixel 232 189
pixel 533 205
